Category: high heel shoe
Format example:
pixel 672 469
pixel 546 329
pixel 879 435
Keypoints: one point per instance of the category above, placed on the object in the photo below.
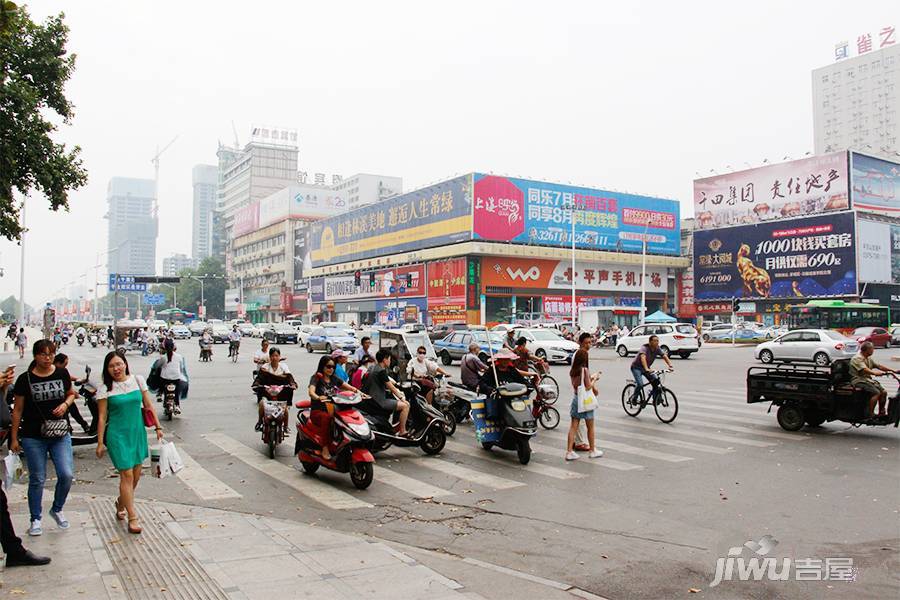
pixel 134 528
pixel 120 512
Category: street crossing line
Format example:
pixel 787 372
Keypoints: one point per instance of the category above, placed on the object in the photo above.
pixel 531 467
pixel 794 437
pixel 693 412
pixel 665 441
pixel 628 449
pixel 608 463
pixel 460 472
pixel 202 482
pixel 672 430
pixel 418 489
pixel 311 487
pixel 724 402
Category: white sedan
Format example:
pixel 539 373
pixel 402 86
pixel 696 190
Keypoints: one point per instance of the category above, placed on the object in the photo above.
pixel 547 344
pixel 820 346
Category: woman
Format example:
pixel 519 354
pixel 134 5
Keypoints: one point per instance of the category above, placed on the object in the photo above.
pixel 43 395
pixel 581 375
pixel 276 372
pixel 362 371
pixel 323 385
pixel 171 367
pixel 121 402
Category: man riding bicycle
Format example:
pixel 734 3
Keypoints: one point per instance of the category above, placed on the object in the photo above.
pixel 640 368
pixel 234 341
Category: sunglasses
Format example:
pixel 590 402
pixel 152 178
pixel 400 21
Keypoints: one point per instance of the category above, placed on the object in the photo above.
pixel 331 366
pixel 422 353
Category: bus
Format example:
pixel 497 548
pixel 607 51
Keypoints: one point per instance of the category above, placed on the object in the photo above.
pixel 839 315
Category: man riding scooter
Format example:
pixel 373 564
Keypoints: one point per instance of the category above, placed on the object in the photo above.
pixel 377 385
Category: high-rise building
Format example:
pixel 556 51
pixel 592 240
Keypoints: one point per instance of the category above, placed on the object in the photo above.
pixel 133 226
pixel 365 188
pixel 175 264
pixel 205 180
pixel 856 104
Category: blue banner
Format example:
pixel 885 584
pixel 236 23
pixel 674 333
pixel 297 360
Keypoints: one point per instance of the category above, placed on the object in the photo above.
pixel 125 283
pixel 154 299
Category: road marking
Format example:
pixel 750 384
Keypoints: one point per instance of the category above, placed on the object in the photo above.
pixel 762 421
pixel 628 449
pixel 202 482
pixel 531 467
pixel 675 430
pixel 460 472
pixel 608 463
pixel 415 487
pixel 794 437
pixel 311 487
pixel 664 441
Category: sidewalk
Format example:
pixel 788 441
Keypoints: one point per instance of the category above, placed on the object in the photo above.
pixel 192 552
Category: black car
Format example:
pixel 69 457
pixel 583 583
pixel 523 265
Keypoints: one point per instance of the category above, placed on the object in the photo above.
pixel 281 333
pixel 442 330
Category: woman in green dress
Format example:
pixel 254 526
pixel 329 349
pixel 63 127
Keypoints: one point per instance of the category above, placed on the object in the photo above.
pixel 120 403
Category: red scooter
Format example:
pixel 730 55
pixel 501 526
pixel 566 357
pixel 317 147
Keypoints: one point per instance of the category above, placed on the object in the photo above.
pixel 351 437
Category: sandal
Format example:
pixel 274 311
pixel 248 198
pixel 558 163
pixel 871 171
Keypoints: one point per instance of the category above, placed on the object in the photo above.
pixel 120 512
pixel 135 528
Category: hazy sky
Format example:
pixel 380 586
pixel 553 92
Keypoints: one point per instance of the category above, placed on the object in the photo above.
pixel 634 96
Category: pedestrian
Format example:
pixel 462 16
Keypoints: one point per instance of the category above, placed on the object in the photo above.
pixel 62 362
pixel 121 401
pixel 365 348
pixel 340 364
pixel 21 342
pixel 471 367
pixel 580 375
pixel 362 371
pixel 171 367
pixel 614 335
pixel 43 395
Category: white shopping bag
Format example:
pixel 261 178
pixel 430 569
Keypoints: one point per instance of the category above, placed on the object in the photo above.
pixel 13 470
pixel 587 401
pixel 169 460
pixel 175 462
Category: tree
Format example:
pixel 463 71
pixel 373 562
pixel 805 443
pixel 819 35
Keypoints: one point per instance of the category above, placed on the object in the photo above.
pixel 34 67
pixel 212 272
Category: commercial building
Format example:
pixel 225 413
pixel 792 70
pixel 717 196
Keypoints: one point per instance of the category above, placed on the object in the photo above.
pixel 856 101
pixel 132 226
pixel 205 180
pixel 175 264
pixel 363 189
pixel 485 249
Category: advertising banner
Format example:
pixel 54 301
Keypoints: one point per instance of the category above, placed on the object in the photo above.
pixel 434 216
pixel 809 186
pixel 686 306
pixel 875 184
pixel 560 307
pixel 875 252
pixel 473 283
pixel 317 290
pixel 447 281
pixel 301 258
pixel 305 202
pixel 246 220
pixel 503 272
pixel 800 258
pixel 405 310
pixel 343 287
pixel 521 211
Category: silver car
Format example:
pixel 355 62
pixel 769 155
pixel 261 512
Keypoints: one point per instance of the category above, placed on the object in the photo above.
pixel 820 346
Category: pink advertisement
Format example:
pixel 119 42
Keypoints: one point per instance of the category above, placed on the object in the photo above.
pixel 246 220
pixel 798 188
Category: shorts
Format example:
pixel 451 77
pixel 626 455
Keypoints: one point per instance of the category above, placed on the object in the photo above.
pixel 573 411
pixel 871 387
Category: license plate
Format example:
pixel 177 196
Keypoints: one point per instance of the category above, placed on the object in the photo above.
pixel 529 424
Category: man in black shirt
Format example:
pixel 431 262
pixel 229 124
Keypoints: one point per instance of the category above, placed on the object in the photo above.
pixel 377 385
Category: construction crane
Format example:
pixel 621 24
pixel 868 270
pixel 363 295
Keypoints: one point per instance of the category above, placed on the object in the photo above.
pixel 155 161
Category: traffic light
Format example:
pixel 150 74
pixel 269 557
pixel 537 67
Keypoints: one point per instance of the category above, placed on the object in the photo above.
pixel 372 279
pixel 409 280
pixel 735 304
pixel 356 278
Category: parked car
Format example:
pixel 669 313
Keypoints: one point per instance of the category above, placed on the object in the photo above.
pixel 329 339
pixel 455 345
pixel 820 346
pixel 411 328
pixel 247 329
pixel 738 334
pixel 714 327
pixel 895 336
pixel 674 338
pixel 259 329
pixel 181 332
pixel 442 330
pixel 220 333
pixel 339 325
pixel 197 327
pixel 877 335
pixel 281 333
pixel 547 344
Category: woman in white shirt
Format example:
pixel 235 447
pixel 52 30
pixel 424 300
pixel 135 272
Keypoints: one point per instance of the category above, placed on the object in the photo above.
pixel 170 368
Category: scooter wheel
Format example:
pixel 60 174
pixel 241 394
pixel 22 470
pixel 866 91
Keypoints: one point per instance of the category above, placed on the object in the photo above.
pixel 487 445
pixel 361 474
pixel 309 467
pixel 450 425
pixel 434 440
pixel 523 450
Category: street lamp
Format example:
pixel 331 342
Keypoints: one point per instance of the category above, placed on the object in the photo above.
pixel 644 274
pixel 174 294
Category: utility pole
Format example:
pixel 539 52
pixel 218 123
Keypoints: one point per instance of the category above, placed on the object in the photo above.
pixel 22 272
pixel 644 275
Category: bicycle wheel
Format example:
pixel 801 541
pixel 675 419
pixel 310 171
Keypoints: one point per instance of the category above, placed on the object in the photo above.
pixel 549 380
pixel 633 407
pixel 549 418
pixel 666 406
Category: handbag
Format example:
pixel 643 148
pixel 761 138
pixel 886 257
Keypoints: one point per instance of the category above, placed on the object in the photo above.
pixel 50 428
pixel 149 417
pixel 14 470
pixel 587 401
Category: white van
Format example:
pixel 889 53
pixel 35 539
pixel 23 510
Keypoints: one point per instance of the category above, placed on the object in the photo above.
pixel 674 338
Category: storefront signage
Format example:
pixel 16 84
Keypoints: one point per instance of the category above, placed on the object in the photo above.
pixel 556 274
pixel 447 288
pixel 473 283
pixel 343 287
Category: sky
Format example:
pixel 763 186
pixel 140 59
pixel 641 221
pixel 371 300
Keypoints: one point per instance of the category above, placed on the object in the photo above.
pixel 633 96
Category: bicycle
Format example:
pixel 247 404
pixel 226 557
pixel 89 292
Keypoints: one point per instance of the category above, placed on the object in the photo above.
pixel 235 346
pixel 665 404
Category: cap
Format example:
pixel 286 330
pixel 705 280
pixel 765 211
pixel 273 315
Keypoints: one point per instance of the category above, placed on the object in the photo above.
pixel 339 353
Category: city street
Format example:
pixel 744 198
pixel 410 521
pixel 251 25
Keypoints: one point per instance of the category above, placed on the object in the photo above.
pixel 647 520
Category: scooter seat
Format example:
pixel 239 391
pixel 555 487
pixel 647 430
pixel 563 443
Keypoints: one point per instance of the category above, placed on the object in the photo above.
pixel 303 403
pixel 458 384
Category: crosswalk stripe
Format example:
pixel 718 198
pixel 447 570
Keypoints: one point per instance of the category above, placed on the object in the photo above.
pixel 629 449
pixel 531 467
pixel 311 487
pixel 794 437
pixel 202 482
pixel 665 441
pixel 724 402
pixel 713 406
pixel 762 420
pixel 419 489
pixel 460 472
pixel 607 463
pixel 676 430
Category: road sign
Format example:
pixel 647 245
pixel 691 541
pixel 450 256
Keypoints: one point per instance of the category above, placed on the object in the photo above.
pixel 154 299
pixel 125 283
pixel 390 315
pixel 251 306
pixel 402 290
pixel 393 290
pixel 155 279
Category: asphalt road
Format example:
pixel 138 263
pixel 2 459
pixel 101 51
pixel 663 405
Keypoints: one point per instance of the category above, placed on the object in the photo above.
pixel 648 520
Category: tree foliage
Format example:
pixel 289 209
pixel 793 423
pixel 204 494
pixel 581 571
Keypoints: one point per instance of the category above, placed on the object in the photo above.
pixel 34 67
pixel 212 271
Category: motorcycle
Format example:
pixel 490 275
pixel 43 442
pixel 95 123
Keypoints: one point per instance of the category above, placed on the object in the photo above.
pixel 425 423
pixel 205 351
pixel 516 422
pixel 350 438
pixel 80 339
pixel 454 400
pixel 88 391
pixel 65 338
pixel 168 399
pixel 274 427
pixel 93 340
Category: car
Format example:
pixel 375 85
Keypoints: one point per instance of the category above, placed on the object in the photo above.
pixel 442 330
pixel 820 346
pixel 455 345
pixel 295 323
pixel 281 333
pixel 547 344
pixel 303 332
pixel 708 331
pixel 181 332
pixel 411 328
pixel 674 338
pixel 197 327
pixel 259 329
pixel 157 324
pixel 338 325
pixel 329 339
pixel 220 333
pixel 877 335
pixel 895 336
pixel 247 329
pixel 738 334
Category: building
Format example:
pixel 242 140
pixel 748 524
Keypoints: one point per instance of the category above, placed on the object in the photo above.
pixel 856 104
pixel 205 179
pixel 132 226
pixel 363 188
pixel 485 249
pixel 175 264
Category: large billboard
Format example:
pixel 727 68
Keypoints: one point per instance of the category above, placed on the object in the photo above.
pixel 301 250
pixel 879 251
pixel 875 184
pixel 808 186
pixel 811 257
pixel 304 202
pixel 433 216
pixel 246 220
pixel 407 282
pixel 507 272
pixel 447 280
pixel 522 211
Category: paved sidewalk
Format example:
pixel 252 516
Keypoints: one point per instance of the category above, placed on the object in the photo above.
pixel 192 552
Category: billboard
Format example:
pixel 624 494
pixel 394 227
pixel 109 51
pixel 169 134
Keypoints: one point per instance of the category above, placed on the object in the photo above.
pixel 879 252
pixel 433 216
pixel 875 184
pixel 797 188
pixel 447 281
pixel 505 272
pixel 246 220
pixel 343 287
pixel 522 211
pixel 305 202
pixel 799 258
pixel 301 258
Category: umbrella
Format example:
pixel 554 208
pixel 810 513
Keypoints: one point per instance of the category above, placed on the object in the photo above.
pixel 174 312
pixel 660 317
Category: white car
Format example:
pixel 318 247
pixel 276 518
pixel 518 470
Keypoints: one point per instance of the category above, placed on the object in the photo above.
pixel 181 332
pixel 247 329
pixel 197 327
pixel 547 344
pixel 820 346
pixel 303 332
pixel 715 328
pixel 674 338
pixel 338 325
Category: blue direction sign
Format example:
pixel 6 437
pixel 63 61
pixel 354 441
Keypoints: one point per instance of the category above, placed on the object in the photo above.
pixel 393 290
pixel 402 290
pixel 154 299
pixel 125 283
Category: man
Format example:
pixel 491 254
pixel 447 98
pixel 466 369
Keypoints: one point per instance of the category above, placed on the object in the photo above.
pixel 261 356
pixel 524 360
pixel 640 368
pixel 506 372
pixel 614 335
pixel 862 368
pixel 364 348
pixel 422 371
pixel 340 364
pixel 378 383
pixel 16 554
pixel 234 340
pixel 145 341
pixel 471 367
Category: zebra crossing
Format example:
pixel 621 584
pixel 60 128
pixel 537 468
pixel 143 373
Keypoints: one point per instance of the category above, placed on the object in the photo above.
pixel 724 425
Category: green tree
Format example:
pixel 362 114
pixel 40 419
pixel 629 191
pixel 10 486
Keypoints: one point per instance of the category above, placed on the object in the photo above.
pixel 34 67
pixel 212 271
